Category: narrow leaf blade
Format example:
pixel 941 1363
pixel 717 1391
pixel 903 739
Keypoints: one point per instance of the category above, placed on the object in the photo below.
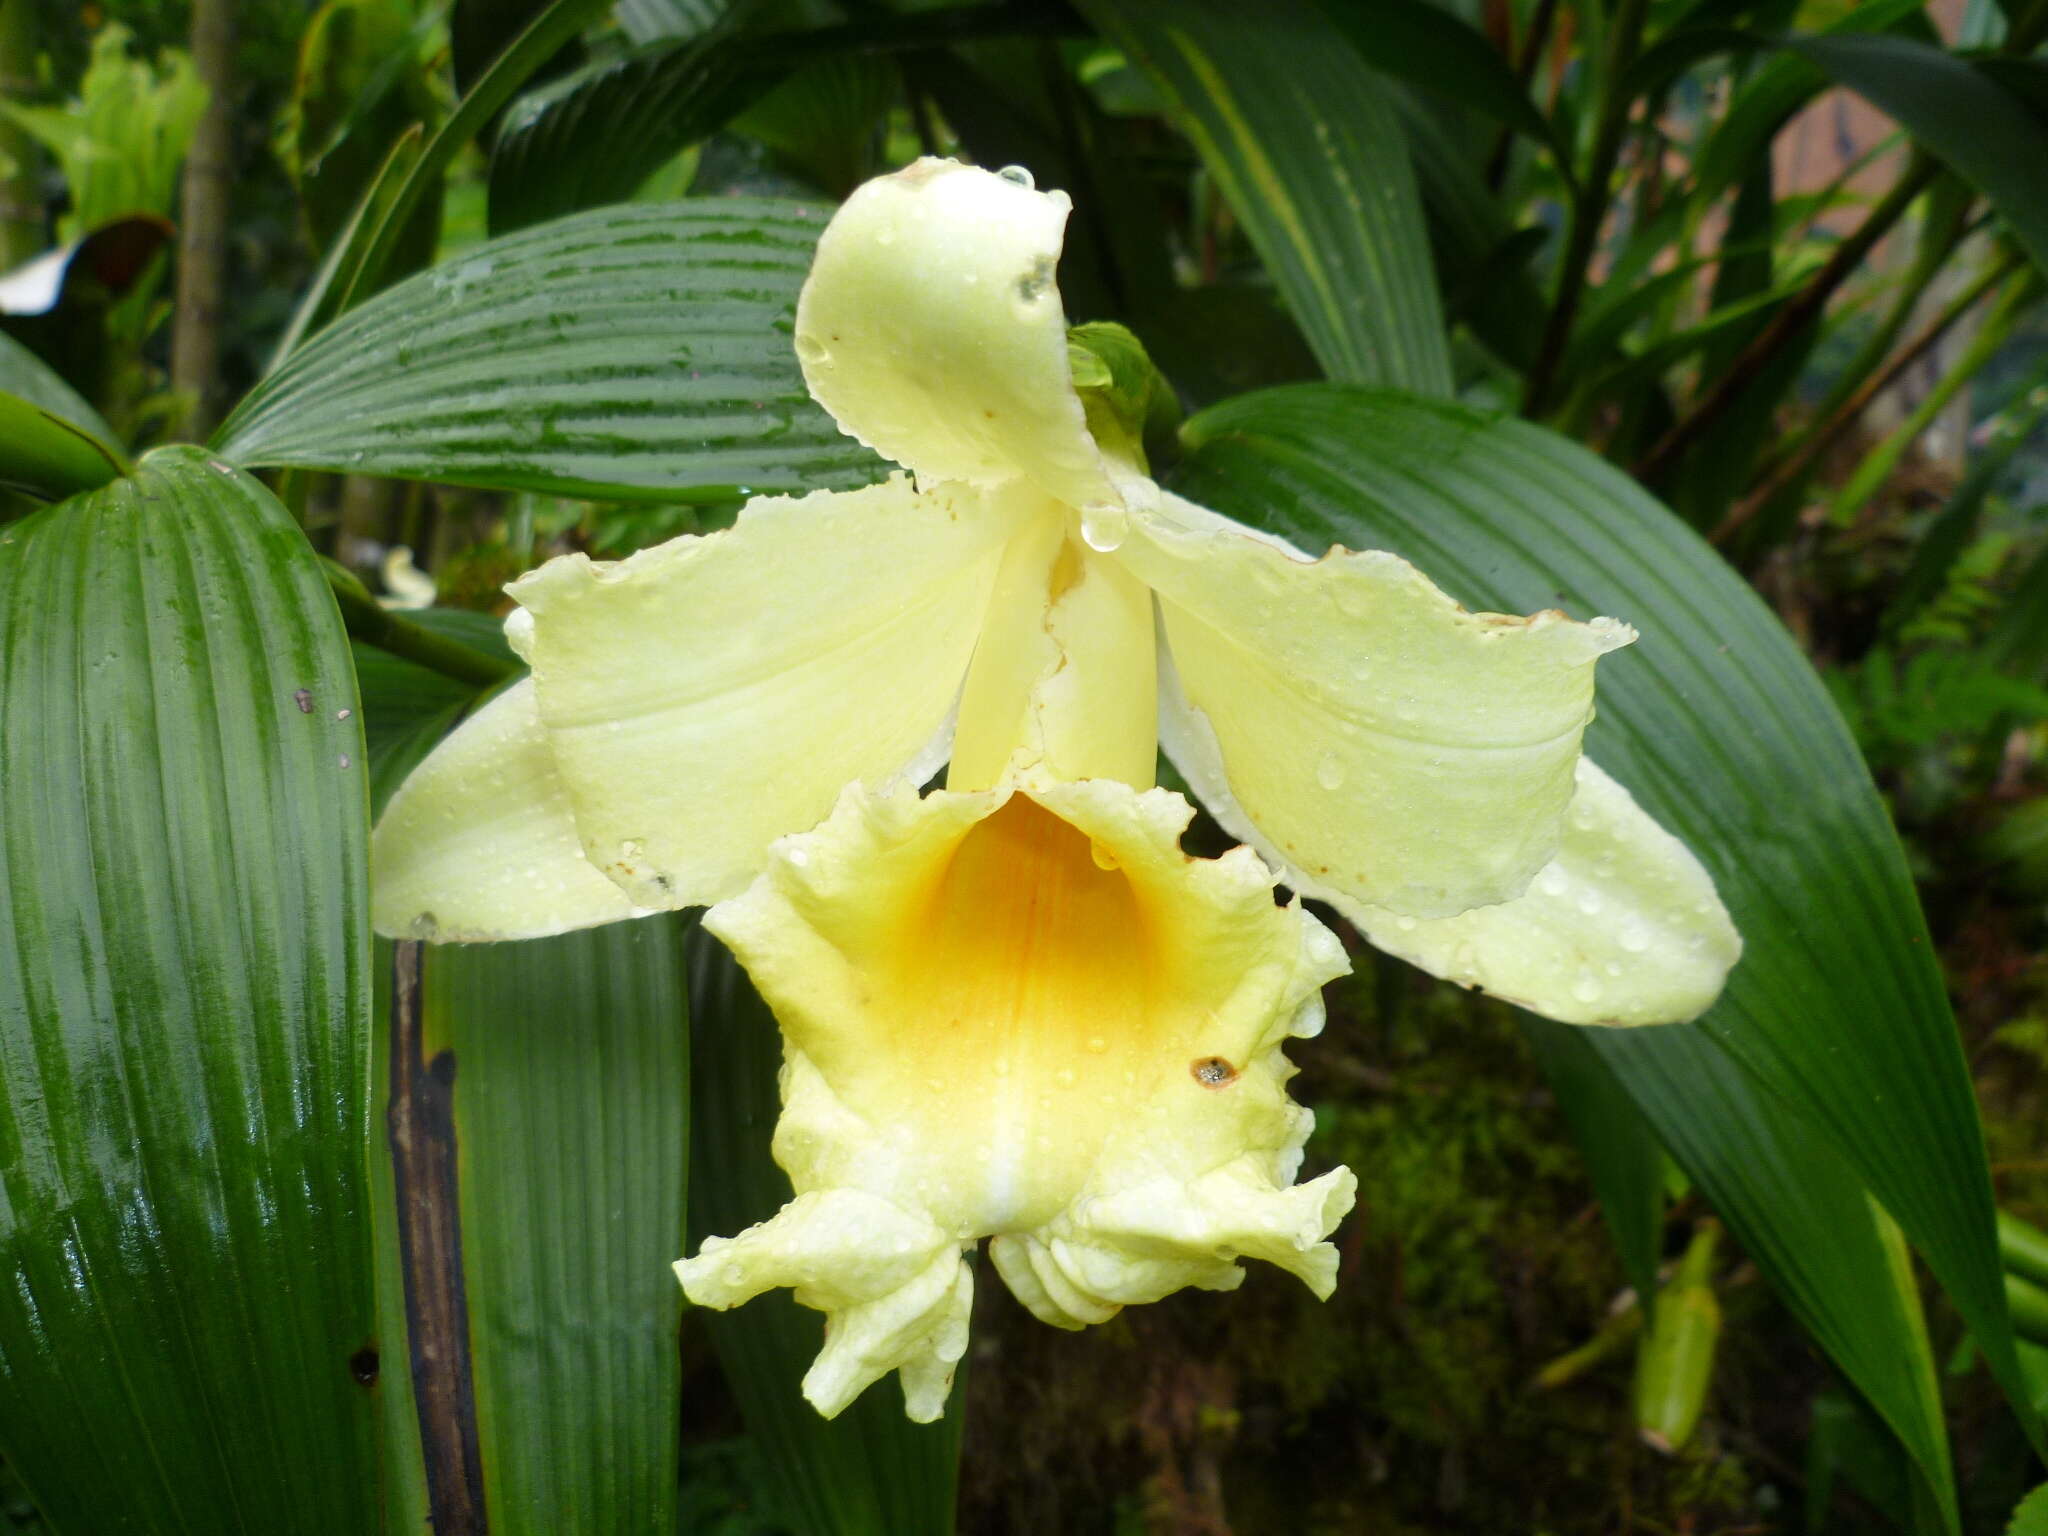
pixel 1325 192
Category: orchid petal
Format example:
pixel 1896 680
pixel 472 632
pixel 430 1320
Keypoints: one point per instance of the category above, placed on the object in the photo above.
pixel 478 843
pixel 1373 739
pixel 894 1283
pixel 1064 677
pixel 1027 1014
pixel 1622 927
pixel 931 329
pixel 708 695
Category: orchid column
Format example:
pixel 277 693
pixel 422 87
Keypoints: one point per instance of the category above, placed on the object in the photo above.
pixel 1012 1008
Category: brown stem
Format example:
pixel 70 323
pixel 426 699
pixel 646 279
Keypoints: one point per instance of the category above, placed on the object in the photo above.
pixel 1792 318
pixel 421 1123
pixel 203 221
pixel 1846 413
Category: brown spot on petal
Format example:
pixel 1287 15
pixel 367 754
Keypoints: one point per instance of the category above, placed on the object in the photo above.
pixel 1214 1072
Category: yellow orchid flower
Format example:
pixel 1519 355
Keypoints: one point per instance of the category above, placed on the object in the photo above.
pixel 1022 604
pixel 1012 1008
pixel 1021 1013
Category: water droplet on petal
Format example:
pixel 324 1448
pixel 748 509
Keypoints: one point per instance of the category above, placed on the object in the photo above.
pixel 1017 176
pixel 1586 989
pixel 1103 858
pixel 1104 527
pixel 1330 771
pixel 1097 1045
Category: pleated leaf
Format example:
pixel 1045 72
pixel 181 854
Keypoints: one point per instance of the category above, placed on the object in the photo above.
pixel 187 1340
pixel 1718 725
pixel 870 1470
pixel 564 1067
pixel 595 136
pixel 1302 136
pixel 630 353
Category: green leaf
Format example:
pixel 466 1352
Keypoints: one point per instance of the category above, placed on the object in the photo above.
pixel 1965 117
pixel 2031 1518
pixel 592 137
pixel 359 87
pixel 1718 725
pixel 49 456
pixel 648 21
pixel 633 353
pixel 1430 47
pixel 373 240
pixel 1302 136
pixel 27 375
pixel 567 1062
pixel 870 1470
pixel 187 1340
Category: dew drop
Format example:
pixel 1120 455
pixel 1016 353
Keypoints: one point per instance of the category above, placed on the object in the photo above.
pixel 812 350
pixel 1586 989
pixel 1405 923
pixel 1552 881
pixel 1635 939
pixel 1103 527
pixel 1017 176
pixel 797 857
pixel 1103 858
pixel 1330 771
pixel 1064 1077
pixel 1097 1045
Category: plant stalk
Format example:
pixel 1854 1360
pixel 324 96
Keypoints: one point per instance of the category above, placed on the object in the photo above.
pixel 373 624
pixel 203 200
pixel 1590 211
